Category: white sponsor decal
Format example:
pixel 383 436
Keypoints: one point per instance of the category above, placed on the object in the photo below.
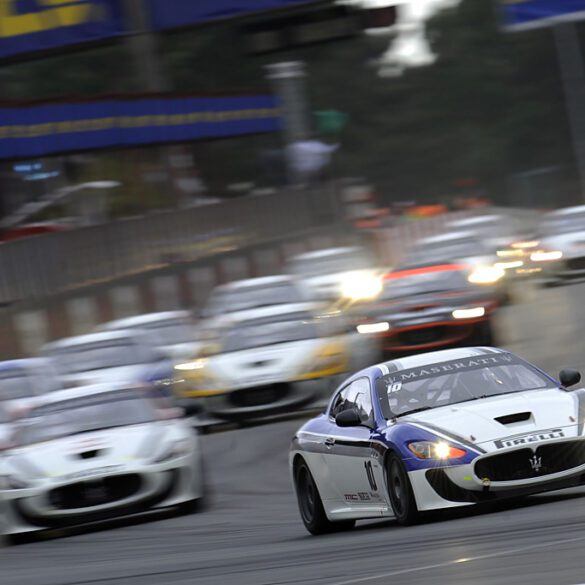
pixel 531 438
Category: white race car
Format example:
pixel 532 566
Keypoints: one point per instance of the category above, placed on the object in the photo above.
pixel 269 360
pixel 337 274
pixel 434 431
pixel 93 453
pixel 109 356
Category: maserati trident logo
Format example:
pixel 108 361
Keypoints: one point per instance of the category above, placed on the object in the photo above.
pixel 536 463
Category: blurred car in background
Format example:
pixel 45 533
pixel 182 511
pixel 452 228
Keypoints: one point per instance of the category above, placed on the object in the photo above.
pixel 337 274
pixel 559 246
pixel 172 332
pixel 92 453
pixel 109 356
pixel 429 307
pixel 6 428
pixel 266 361
pixel 24 379
pixel 462 248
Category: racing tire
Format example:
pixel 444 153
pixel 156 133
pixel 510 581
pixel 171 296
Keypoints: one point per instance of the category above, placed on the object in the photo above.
pixel 400 492
pixel 311 507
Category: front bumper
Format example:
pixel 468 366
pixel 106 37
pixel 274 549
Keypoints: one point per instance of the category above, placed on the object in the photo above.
pixel 525 471
pixel 65 503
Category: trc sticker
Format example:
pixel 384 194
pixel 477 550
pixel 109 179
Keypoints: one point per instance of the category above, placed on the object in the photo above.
pixel 351 497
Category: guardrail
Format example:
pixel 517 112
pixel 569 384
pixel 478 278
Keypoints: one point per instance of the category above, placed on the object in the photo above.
pixel 45 265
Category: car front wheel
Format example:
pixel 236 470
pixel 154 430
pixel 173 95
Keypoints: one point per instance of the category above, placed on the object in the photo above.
pixel 400 491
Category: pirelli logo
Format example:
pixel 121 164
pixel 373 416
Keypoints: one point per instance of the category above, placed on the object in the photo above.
pixel 531 438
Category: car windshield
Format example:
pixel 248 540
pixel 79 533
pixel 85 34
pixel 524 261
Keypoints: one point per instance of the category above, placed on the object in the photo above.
pixel 455 381
pixel 448 249
pixel 15 385
pixel 404 282
pixel 265 332
pixel 106 410
pixel 564 225
pixel 171 331
pixel 251 297
pixel 345 261
pixel 99 355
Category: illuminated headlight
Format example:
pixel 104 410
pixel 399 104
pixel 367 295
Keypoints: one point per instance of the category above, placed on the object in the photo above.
pixel 546 255
pixel 471 313
pixel 509 253
pixel 360 286
pixel 486 275
pixel 435 450
pixel 527 245
pixel 194 365
pixel 369 328
pixel 174 450
pixel 509 265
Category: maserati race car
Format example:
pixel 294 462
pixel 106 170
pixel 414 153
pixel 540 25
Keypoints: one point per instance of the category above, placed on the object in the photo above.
pixel 445 429
pixel 93 453
pixel 428 307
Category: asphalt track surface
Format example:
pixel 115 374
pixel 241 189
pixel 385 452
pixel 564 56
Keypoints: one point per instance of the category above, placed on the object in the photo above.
pixel 251 534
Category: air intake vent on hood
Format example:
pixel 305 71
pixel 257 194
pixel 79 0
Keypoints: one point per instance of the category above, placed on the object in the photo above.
pixel 513 418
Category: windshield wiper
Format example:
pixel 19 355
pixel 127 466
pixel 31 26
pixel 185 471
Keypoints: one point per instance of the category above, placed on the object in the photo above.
pixel 413 411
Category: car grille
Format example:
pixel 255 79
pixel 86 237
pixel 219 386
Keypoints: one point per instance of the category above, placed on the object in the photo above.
pixel 528 464
pixel 85 494
pixel 423 335
pixel 259 395
pixel 576 263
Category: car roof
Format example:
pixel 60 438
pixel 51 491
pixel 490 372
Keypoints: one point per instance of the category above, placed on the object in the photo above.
pixel 93 337
pixel 434 357
pixel 81 391
pixel 447 237
pixel 255 282
pixel 567 211
pixel 476 220
pixel 145 319
pixel 327 252
pixel 24 363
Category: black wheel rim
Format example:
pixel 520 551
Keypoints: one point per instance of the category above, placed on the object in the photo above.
pixel 397 488
pixel 307 494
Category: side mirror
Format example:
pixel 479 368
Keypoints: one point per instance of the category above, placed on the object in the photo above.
pixel 569 377
pixel 348 418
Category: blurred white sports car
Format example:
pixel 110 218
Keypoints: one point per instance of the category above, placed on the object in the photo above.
pixel 93 453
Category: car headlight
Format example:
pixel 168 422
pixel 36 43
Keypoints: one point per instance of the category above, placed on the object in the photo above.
pixel 369 328
pixel 11 482
pixel 509 265
pixel 525 245
pixel 198 364
pixel 546 255
pixel 435 450
pixel 174 450
pixel 471 313
pixel 360 286
pixel 486 275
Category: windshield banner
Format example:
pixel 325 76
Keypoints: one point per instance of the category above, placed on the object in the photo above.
pixel 527 14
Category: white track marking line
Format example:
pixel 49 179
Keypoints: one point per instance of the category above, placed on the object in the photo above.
pixel 458 561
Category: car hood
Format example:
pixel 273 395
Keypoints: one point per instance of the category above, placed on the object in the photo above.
pixel 266 365
pixel 106 451
pixel 475 421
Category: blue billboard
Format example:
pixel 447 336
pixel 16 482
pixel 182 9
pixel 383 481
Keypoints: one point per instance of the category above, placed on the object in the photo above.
pixel 527 14
pixel 29 26
pixel 169 14
pixel 33 131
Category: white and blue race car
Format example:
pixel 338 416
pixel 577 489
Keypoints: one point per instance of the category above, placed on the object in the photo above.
pixel 434 431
